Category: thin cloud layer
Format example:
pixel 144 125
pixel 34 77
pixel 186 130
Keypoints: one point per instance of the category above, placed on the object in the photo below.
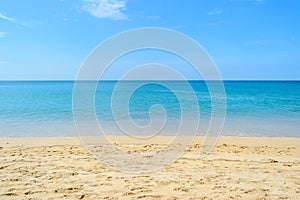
pixel 2 34
pixel 2 16
pixel 215 11
pixel 3 62
pixel 259 42
pixel 105 8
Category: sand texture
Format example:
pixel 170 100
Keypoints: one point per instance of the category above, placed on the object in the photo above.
pixel 237 168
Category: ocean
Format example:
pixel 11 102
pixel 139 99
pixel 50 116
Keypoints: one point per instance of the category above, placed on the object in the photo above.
pixel 253 108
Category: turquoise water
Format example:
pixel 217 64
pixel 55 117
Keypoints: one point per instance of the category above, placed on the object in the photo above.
pixel 254 108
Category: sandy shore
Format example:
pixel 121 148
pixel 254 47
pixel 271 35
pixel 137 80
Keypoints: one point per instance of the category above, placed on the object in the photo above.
pixel 237 168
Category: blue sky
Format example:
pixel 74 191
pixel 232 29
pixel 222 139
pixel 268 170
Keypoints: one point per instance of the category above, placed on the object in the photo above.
pixel 247 39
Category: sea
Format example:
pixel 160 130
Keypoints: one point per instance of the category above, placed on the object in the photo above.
pixel 46 108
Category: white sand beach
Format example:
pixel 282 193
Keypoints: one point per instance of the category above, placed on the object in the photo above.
pixel 237 168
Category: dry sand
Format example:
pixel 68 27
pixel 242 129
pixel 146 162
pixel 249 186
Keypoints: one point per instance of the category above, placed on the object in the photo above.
pixel 237 168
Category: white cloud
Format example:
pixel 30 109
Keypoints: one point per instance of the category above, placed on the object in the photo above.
pixel 2 34
pixel 2 16
pixel 105 8
pixel 216 11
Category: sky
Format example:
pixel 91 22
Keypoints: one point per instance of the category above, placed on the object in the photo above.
pixel 247 39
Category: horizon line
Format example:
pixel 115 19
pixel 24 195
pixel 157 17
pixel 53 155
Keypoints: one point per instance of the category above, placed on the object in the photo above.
pixel 40 80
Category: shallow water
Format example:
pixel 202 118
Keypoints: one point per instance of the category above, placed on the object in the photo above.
pixel 253 108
